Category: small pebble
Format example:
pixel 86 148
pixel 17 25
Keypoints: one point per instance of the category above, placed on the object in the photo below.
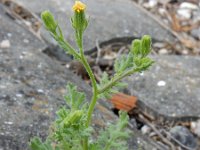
pixel 28 23
pixel 68 65
pixel 195 127
pixel 163 51
pixel 40 91
pixel 159 45
pixel 19 95
pixel 5 44
pixel 142 74
pixel 9 34
pixel 184 136
pixel 184 13
pixel 26 41
pixel 186 5
pixel 185 52
pixel 162 11
pixel 145 129
pixel 8 122
pixel 161 83
pixel 150 4
pixel 21 57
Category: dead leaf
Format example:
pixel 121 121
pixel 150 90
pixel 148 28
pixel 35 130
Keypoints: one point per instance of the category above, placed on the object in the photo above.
pixel 124 102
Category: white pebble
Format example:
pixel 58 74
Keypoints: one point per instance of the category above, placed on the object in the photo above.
pixel 26 41
pixel 28 23
pixel 184 13
pixel 19 95
pixel 150 4
pixel 8 122
pixel 5 44
pixel 40 91
pixel 163 51
pixel 21 57
pixel 9 34
pixel 188 6
pixel 142 74
pixel 195 127
pixel 67 66
pixel 162 11
pixel 145 129
pixel 161 83
pixel 185 52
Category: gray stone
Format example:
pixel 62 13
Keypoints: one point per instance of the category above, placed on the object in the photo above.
pixel 32 86
pixel 184 136
pixel 171 86
pixel 108 19
pixel 196 18
pixel 196 33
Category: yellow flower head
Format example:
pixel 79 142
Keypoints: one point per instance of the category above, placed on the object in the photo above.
pixel 79 6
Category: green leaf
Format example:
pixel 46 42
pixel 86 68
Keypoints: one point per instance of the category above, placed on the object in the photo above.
pixel 123 63
pixel 37 144
pixel 74 98
pixel 114 89
pixel 115 136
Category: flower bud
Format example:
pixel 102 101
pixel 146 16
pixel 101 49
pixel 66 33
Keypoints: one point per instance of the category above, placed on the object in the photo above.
pixel 49 21
pixel 146 45
pixel 137 61
pixel 79 6
pixel 73 117
pixel 79 21
pixel 136 47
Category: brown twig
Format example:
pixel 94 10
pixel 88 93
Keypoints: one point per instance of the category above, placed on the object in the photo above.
pixel 98 51
pixel 165 140
pixel 120 51
pixel 180 38
pixel 175 140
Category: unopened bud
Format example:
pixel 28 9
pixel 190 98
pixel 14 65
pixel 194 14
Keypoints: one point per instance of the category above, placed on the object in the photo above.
pixel 136 47
pixel 49 21
pixel 73 118
pixel 146 45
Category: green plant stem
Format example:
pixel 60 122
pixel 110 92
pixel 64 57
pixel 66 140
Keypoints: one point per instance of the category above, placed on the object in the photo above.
pixel 94 88
pixel 116 79
pixel 85 144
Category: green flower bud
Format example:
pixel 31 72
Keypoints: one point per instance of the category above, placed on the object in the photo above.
pixel 49 21
pixel 73 118
pixel 136 47
pixel 137 61
pixel 146 45
pixel 146 63
pixel 79 21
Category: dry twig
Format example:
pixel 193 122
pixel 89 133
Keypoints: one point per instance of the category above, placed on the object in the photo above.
pixel 175 140
pixel 165 140
pixel 98 51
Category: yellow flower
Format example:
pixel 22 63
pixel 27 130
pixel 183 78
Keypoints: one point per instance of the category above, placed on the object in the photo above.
pixel 79 6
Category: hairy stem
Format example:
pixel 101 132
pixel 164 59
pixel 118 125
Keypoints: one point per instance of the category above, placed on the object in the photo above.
pixel 94 88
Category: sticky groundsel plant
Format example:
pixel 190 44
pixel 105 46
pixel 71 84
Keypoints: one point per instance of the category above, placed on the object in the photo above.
pixel 72 129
